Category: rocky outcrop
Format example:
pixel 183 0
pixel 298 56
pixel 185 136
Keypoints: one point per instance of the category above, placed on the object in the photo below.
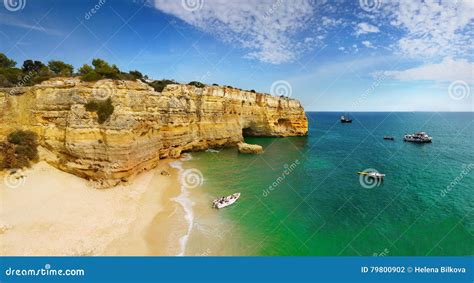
pixel 145 126
pixel 249 148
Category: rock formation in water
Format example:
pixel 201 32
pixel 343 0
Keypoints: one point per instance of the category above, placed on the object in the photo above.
pixel 145 125
pixel 249 148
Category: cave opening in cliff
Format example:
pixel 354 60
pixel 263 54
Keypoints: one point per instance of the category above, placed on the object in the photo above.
pixel 284 122
pixel 247 132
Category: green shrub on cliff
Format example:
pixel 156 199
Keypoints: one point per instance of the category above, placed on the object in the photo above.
pixel 32 66
pixel 34 72
pixel 22 137
pixel 197 84
pixel 159 85
pixel 31 72
pixel 136 75
pixel 8 158
pixel 91 77
pixel 6 62
pixel 103 70
pixel 60 68
pixel 103 109
pixel 20 149
pixel 10 77
pixel 85 69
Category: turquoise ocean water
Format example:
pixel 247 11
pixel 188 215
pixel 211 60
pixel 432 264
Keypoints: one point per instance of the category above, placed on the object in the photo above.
pixel 302 196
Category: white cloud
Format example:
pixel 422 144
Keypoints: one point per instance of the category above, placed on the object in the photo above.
pixel 355 48
pixel 364 28
pixel 267 28
pixel 433 28
pixel 447 70
pixel 368 44
pixel 330 22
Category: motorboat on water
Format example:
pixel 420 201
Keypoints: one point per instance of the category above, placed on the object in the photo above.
pixel 345 119
pixel 418 137
pixel 390 138
pixel 375 175
pixel 225 201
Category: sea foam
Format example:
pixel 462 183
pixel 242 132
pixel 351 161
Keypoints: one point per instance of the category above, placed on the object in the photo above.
pixel 184 200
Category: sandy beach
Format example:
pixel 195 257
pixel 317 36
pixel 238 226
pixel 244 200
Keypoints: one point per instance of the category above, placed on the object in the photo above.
pixel 51 212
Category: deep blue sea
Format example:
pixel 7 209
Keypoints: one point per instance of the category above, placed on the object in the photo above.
pixel 303 196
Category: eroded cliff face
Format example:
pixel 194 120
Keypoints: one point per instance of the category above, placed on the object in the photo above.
pixel 145 126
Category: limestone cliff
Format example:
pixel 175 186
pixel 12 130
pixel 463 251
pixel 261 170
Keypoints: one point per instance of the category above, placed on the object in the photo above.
pixel 145 126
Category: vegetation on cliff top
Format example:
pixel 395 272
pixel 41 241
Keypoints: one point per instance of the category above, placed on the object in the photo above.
pixel 34 72
pixel 103 108
pixel 197 84
pixel 19 150
pixel 159 85
pixel 103 70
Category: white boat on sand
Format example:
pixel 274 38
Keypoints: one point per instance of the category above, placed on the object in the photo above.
pixel 225 201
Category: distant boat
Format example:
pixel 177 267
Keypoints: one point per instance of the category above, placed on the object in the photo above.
pixel 225 201
pixel 418 137
pixel 375 175
pixel 390 138
pixel 345 119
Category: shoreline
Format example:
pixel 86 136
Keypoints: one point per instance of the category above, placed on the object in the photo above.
pixel 55 213
pixel 186 203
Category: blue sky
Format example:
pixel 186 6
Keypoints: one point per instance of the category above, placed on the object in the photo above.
pixel 367 55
